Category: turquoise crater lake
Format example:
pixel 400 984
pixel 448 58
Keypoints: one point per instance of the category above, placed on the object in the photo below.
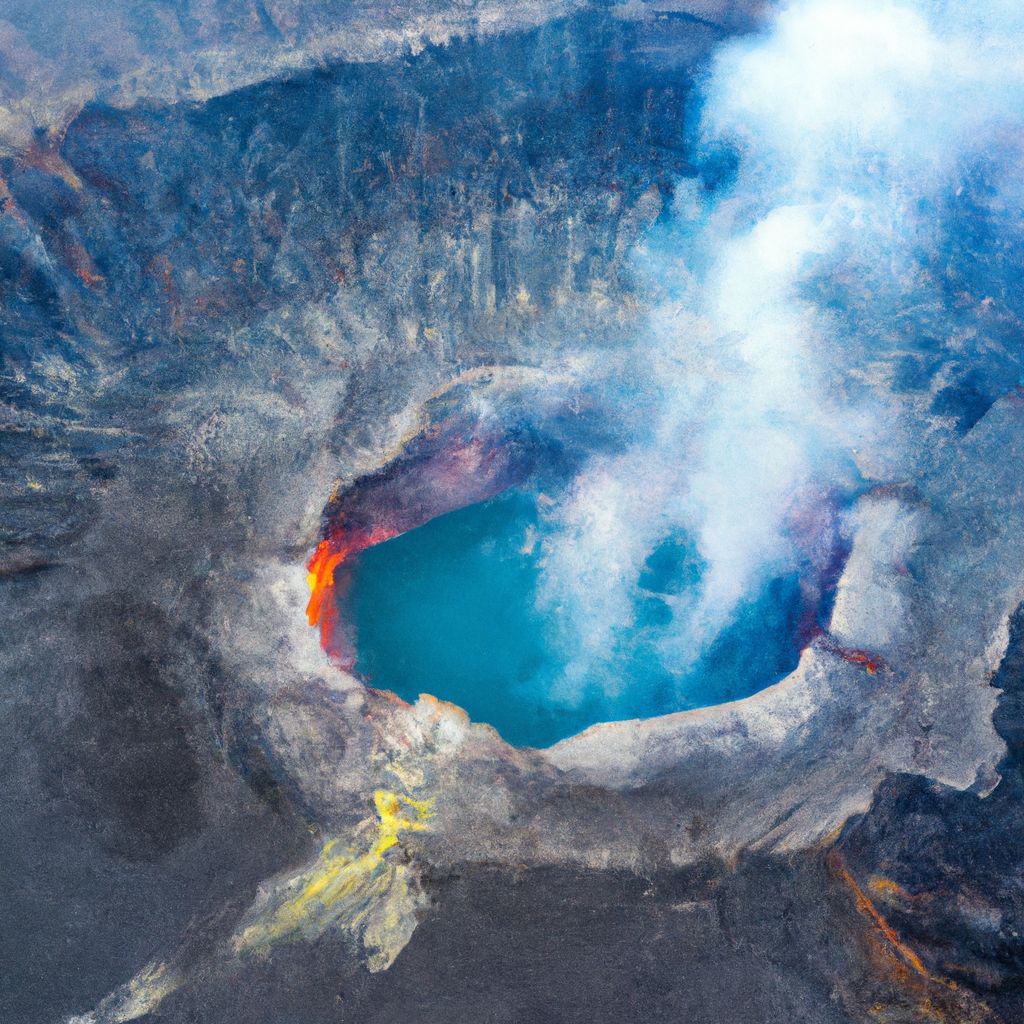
pixel 450 609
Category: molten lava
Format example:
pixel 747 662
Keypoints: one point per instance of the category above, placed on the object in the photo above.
pixel 322 611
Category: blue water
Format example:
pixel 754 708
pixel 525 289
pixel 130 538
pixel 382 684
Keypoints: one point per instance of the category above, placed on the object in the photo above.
pixel 450 609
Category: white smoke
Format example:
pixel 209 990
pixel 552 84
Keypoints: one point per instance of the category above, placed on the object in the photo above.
pixel 854 122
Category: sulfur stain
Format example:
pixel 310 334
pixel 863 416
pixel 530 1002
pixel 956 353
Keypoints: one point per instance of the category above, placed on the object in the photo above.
pixel 364 892
pixel 140 996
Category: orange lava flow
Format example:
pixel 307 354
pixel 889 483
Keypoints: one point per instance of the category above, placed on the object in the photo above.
pixel 868 909
pixel 871 665
pixel 329 554
pixel 320 573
